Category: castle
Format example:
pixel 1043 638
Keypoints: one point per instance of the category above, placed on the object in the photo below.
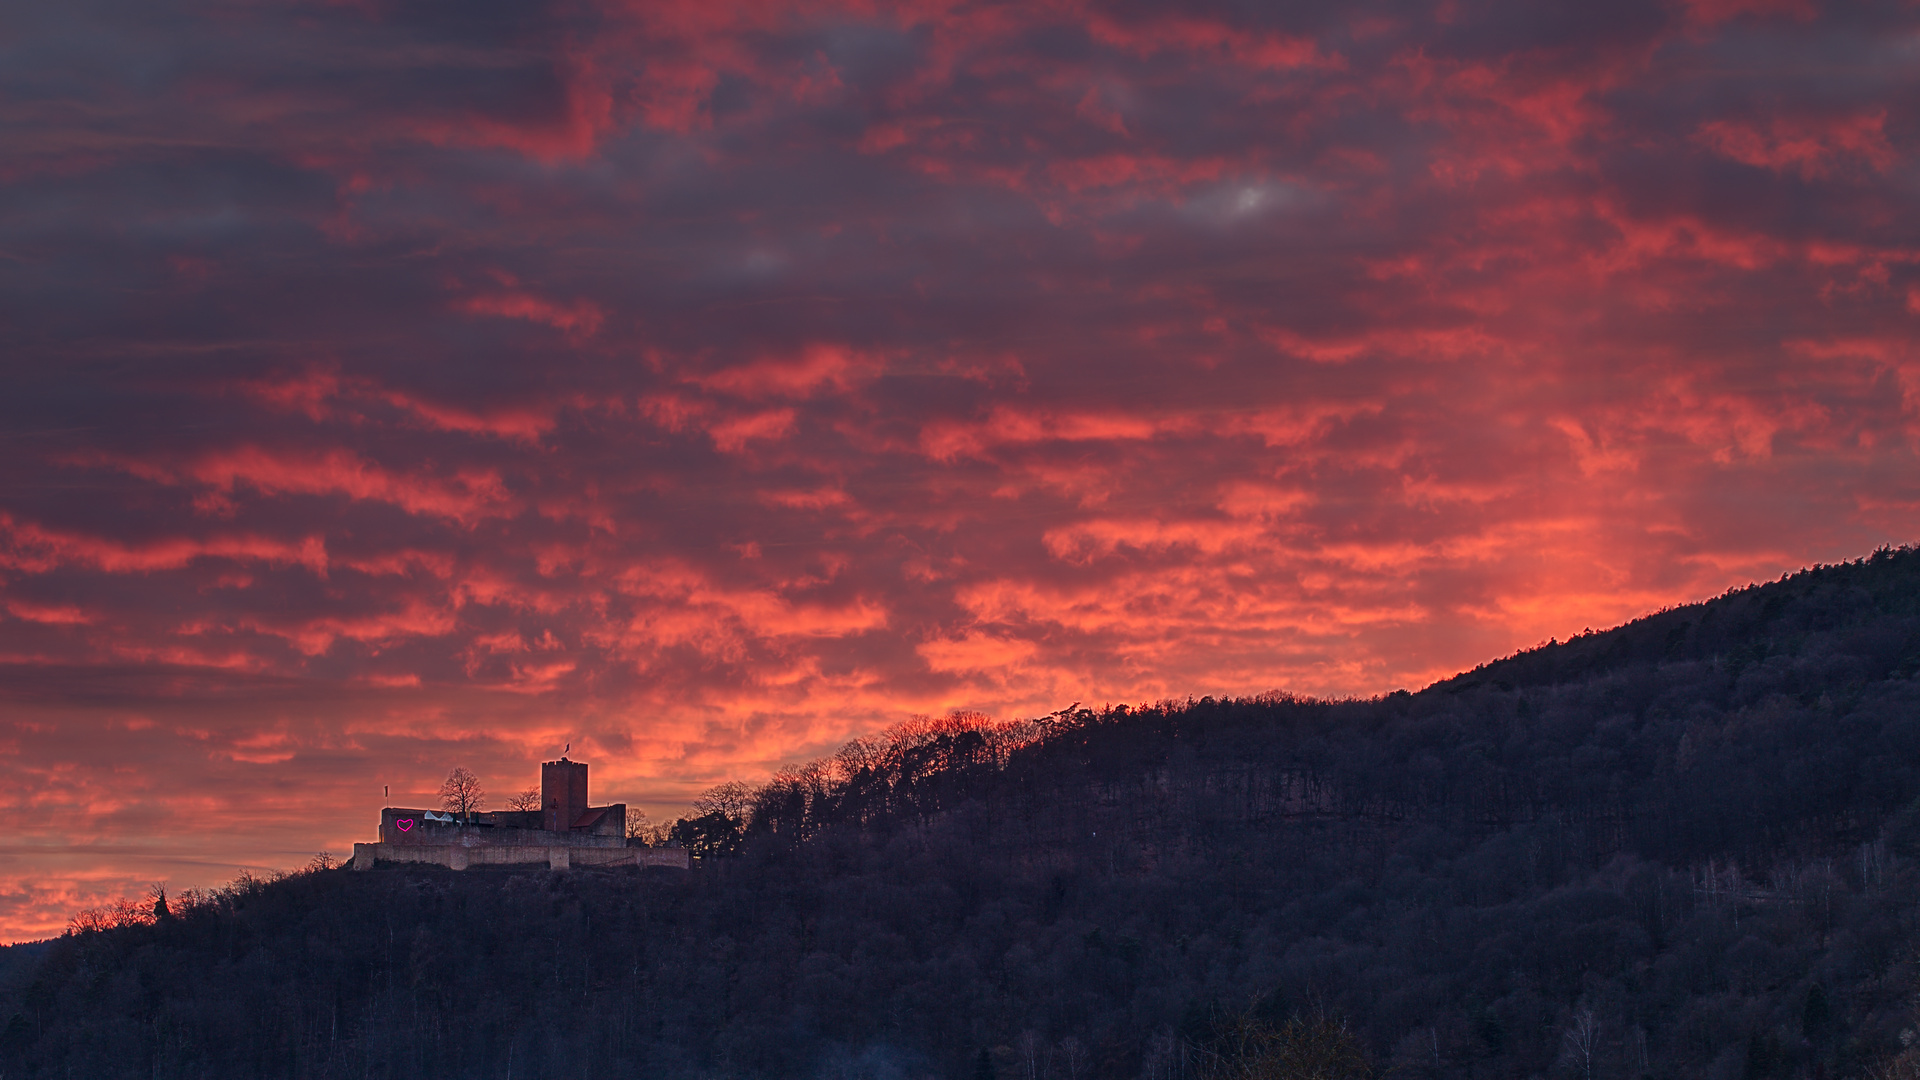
pixel 565 832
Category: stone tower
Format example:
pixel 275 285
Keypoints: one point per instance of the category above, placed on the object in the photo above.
pixel 563 793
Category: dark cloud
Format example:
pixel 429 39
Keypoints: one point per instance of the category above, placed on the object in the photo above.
pixel 394 386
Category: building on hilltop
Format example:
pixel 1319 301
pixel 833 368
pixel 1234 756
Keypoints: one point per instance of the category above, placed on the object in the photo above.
pixel 563 833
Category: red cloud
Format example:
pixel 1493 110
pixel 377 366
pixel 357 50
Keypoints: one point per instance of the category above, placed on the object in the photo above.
pixel 32 547
pixel 705 383
pixel 469 495
pixel 582 318
pixel 817 368
pixel 1211 39
pixel 321 394
pixel 734 433
pixel 1812 146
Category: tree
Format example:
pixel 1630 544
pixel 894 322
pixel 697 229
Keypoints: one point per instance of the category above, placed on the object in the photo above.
pixel 1162 1058
pixel 858 754
pixel 641 828
pixel 708 834
pixel 1073 1055
pixel 1030 1045
pixel 1322 1048
pixel 461 794
pixel 1902 1066
pixel 1246 1047
pixel 526 800
pixel 1817 1015
pixel 732 799
pixel 1582 1040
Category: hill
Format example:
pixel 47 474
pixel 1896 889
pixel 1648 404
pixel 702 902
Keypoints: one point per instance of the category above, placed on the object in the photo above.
pixel 1685 847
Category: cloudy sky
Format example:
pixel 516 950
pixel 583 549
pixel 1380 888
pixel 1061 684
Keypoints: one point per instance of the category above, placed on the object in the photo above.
pixel 399 384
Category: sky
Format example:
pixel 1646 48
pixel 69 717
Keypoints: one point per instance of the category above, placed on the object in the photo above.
pixel 391 385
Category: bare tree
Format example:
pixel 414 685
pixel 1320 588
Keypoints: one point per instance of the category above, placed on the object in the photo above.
pixel 1902 1066
pixel 1030 1047
pixel 642 828
pixel 857 754
pixel 732 799
pixel 1162 1058
pixel 1073 1054
pixel 461 794
pixel 1245 1047
pixel 1582 1040
pixel 526 800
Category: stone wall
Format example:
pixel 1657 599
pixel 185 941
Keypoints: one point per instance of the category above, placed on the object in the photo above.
pixel 555 857
pixel 420 832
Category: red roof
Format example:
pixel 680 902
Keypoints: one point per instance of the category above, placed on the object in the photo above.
pixel 591 818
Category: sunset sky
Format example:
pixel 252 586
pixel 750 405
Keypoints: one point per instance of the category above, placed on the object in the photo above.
pixel 393 386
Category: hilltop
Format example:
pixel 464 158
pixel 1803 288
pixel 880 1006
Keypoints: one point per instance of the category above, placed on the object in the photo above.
pixel 1687 846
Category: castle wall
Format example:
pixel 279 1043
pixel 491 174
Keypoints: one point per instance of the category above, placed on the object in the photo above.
pixel 610 832
pixel 556 857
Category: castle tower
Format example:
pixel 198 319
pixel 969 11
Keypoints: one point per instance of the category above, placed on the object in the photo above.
pixel 563 793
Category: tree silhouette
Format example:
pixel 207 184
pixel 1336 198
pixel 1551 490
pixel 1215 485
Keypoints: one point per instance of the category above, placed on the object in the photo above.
pixel 461 794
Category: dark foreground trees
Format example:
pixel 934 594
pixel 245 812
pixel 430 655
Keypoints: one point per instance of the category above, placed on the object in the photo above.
pixel 1246 1046
pixel 1685 848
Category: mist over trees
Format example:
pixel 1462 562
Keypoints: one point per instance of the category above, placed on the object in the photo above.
pixel 1687 847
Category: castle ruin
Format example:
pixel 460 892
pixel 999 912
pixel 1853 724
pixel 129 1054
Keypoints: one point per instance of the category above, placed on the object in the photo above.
pixel 565 832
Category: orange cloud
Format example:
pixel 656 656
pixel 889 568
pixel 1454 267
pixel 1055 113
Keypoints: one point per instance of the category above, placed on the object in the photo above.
pixel 469 495
pixel 32 548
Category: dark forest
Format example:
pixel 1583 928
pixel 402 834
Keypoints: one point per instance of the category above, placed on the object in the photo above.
pixel 1685 847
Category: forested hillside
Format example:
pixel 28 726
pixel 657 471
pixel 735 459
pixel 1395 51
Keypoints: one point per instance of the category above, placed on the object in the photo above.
pixel 1687 847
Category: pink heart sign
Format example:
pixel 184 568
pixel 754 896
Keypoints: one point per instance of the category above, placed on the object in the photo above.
pixel 404 823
